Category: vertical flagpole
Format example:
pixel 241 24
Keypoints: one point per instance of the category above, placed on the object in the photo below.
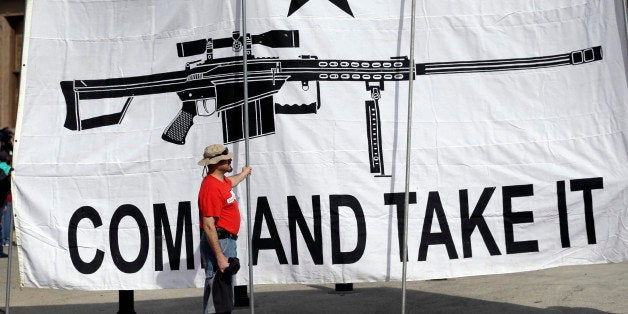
pixel 625 2
pixel 16 142
pixel 7 303
pixel 245 52
pixel 408 153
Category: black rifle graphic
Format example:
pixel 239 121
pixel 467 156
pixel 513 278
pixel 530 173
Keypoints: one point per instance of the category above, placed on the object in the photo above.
pixel 216 85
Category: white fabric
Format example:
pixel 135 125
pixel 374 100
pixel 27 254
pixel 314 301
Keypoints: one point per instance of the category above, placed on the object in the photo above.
pixel 533 128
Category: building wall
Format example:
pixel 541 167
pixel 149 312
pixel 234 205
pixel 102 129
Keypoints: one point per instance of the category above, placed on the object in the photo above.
pixel 11 31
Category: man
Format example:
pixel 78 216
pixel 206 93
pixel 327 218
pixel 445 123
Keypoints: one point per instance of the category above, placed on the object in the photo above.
pixel 220 223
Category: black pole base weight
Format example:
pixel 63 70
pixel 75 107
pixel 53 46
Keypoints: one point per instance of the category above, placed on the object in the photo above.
pixel 344 287
pixel 240 296
pixel 125 302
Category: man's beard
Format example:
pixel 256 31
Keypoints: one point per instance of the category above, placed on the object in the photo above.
pixel 229 169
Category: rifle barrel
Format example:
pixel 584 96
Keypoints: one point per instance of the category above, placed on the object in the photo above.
pixel 572 58
pixel 397 68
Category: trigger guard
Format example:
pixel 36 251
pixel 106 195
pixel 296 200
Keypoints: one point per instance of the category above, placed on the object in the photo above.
pixel 204 107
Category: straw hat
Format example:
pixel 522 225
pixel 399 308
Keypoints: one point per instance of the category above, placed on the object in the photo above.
pixel 213 154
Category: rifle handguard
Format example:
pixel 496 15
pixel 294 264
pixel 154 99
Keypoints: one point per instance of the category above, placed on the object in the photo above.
pixel 178 129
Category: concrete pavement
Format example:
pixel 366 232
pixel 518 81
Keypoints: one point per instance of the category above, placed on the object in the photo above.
pixel 571 289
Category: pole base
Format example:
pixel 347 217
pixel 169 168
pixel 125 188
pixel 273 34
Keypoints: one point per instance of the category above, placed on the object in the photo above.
pixel 125 302
pixel 344 287
pixel 240 296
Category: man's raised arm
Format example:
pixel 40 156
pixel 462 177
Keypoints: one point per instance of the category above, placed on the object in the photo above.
pixel 237 178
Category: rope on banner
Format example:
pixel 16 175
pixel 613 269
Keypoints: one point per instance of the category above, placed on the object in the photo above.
pixel 408 152
pixel 245 52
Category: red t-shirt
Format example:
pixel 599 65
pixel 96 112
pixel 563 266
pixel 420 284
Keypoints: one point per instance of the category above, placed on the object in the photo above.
pixel 216 199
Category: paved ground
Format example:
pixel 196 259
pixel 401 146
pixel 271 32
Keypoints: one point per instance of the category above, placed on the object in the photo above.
pixel 577 289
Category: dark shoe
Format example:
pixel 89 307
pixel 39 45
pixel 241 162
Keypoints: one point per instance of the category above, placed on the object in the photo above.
pixel 3 255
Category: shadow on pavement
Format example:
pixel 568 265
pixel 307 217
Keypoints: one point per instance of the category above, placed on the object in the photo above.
pixel 321 300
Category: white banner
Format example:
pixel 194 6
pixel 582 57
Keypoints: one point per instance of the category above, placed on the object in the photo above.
pixel 518 138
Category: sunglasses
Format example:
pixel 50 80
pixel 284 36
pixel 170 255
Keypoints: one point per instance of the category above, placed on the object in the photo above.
pixel 225 152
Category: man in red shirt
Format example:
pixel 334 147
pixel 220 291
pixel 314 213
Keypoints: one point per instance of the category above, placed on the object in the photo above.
pixel 220 223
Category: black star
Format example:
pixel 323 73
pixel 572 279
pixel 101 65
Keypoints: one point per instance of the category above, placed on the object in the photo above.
pixel 297 4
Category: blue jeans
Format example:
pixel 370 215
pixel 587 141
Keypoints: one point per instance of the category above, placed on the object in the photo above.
pixel 6 228
pixel 208 261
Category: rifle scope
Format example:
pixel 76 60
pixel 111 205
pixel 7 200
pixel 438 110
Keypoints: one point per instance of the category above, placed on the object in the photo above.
pixel 272 39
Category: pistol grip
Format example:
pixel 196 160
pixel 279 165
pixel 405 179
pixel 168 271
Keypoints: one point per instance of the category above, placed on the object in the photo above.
pixel 178 129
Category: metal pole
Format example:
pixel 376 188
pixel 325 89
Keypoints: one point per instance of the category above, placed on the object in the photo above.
pixel 626 16
pixel 8 288
pixel 28 10
pixel 245 52
pixel 408 153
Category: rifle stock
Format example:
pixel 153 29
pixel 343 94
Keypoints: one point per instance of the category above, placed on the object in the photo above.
pixel 77 90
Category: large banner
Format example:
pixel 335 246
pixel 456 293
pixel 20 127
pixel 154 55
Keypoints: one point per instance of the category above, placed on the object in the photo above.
pixel 517 153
